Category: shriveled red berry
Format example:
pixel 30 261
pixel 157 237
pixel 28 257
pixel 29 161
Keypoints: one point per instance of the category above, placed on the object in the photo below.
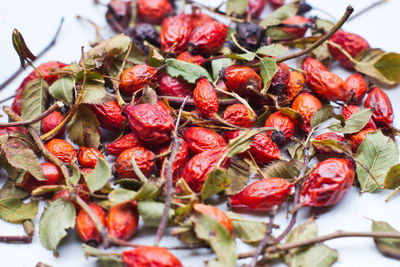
pixel 326 84
pixel 379 102
pixel 67 195
pixel 311 64
pixel 201 139
pixel 207 38
pixel 175 34
pixel 296 32
pixel 284 124
pixel 295 85
pixel 153 11
pixel 277 3
pixel 86 228
pixel 331 136
pixel 205 98
pixel 281 78
pixel 195 59
pixel 306 104
pixel 150 256
pixel 87 156
pixel 124 143
pixel 145 160
pixel 358 138
pixel 197 17
pixel 214 213
pixel 63 150
pixel 238 114
pixel 50 171
pixel 136 77
pixel 51 121
pixel 348 111
pixel 170 86
pixel 180 159
pixel 242 80
pixel 255 7
pixel 123 220
pixel 109 115
pixel 356 87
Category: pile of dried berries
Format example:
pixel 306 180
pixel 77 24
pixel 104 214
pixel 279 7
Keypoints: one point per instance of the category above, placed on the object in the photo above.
pixel 201 111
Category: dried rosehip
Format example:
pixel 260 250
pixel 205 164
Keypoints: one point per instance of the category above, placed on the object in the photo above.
pixel 118 14
pixel 87 156
pixel 310 64
pixel 255 7
pixel 196 170
pixel 214 213
pixel 358 138
pixel 145 160
pixel 207 38
pixel 50 171
pixel 153 11
pixel 330 136
pixel 51 121
pixel 306 104
pixel 136 77
pixel 150 256
pixel 250 35
pixel 195 59
pixel 284 125
pixel 201 139
pixel 296 32
pixel 86 228
pixel 144 32
pixel 123 220
pixel 124 143
pixel 180 159
pixel 295 85
pixel 66 194
pixel 15 129
pixel 163 107
pixel 356 87
pixel 109 115
pixel 238 114
pixel 63 150
pixel 205 98
pixel 242 80
pixel 150 123
pixel 168 86
pixel 352 43
pixel 326 84
pixel 280 79
pixel 262 195
pixel 327 183
pixel 347 111
pixel 175 33
pixel 197 18
pixel 379 102
pixel 277 3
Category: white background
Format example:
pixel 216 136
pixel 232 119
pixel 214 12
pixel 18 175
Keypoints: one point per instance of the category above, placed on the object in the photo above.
pixel 37 21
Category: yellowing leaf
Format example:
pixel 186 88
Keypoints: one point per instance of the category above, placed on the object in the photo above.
pixel 15 211
pixel 83 129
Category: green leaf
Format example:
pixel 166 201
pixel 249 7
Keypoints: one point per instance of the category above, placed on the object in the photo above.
pixel 155 58
pixel 21 48
pixel 75 173
pixel 267 70
pixel 34 101
pixel 151 212
pixel 331 146
pixel 121 195
pixel 62 89
pixel 378 153
pixel 248 231
pixel 102 260
pixel 244 56
pixel 354 124
pixel 58 216
pixel 15 211
pixel 389 247
pixel 392 179
pixel 316 256
pixel 99 176
pixel 296 151
pixel 94 92
pixel 188 71
pixel 238 179
pixel 83 129
pixel 10 191
pixel 322 115
pixel 237 7
pixel 281 14
pixel 221 241
pixel 242 142
pixel 292 114
pixel 272 50
pixel 217 180
pixel 149 190
pixel 282 169
pixel 218 65
pixel 117 45
pixel 276 33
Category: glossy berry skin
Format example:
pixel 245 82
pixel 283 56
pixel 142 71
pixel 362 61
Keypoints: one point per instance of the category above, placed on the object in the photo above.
pixel 214 213
pixel 207 38
pixel 123 220
pixel 50 171
pixel 66 194
pixel 205 98
pixel 283 123
pixel 310 64
pixel 136 77
pixel 348 111
pixel 180 159
pixel 195 59
pixel 358 138
pixel 51 121
pixel 331 135
pixel 295 84
pixel 238 114
pixel 196 170
pixel 145 160
pixel 16 129
pixel 175 31
pixel 306 104
pixel 87 156
pixel 239 79
pixel 109 115
pixel 124 143
pixel 150 123
pixel 327 183
pixel 255 7
pixel 326 84
pixel 201 139
pixel 356 87
pixel 280 79
pixel 197 18
pixel 277 3
pixel 353 44
pixel 169 86
pixel 150 256
pixel 153 11
pixel 262 195
pixel 296 32
pixel 63 150
pixel 379 102
pixel 85 226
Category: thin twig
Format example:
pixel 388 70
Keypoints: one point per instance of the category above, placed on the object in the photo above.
pixel 190 101
pixel 16 239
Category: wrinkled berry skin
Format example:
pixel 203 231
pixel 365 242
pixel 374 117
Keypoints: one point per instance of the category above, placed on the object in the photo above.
pixel 330 136
pixel 207 38
pixel 118 14
pixel 51 121
pixel 255 7
pixel 327 183
pixel 197 18
pixel 284 124
pixel 123 220
pixel 63 150
pixel 85 226
pixel 201 139
pixel 205 98
pixel 238 114
pixel 153 11
pixel 326 84
pixel 379 102
pixel 180 159
pixel 150 123
pixel 144 160
pixel 16 129
pixel 280 79
pixel 150 256
pixel 296 32
pixel 348 111
pixel 136 77
pixel 169 86
pixel 87 156
pixel 124 143
pixel 144 32
pixel 175 31
pixel 239 79
pixel 295 84
pixel 356 87
pixel 250 35
pixel 262 195
pixel 358 138
pixel 66 194
pixel 353 44
pixel 195 59
pixel 214 213
pixel 306 104
pixel 310 64
pixel 196 170
pixel 109 115
pixel 50 171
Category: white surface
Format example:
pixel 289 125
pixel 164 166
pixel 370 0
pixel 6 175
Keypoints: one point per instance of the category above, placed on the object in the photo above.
pixel 37 20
